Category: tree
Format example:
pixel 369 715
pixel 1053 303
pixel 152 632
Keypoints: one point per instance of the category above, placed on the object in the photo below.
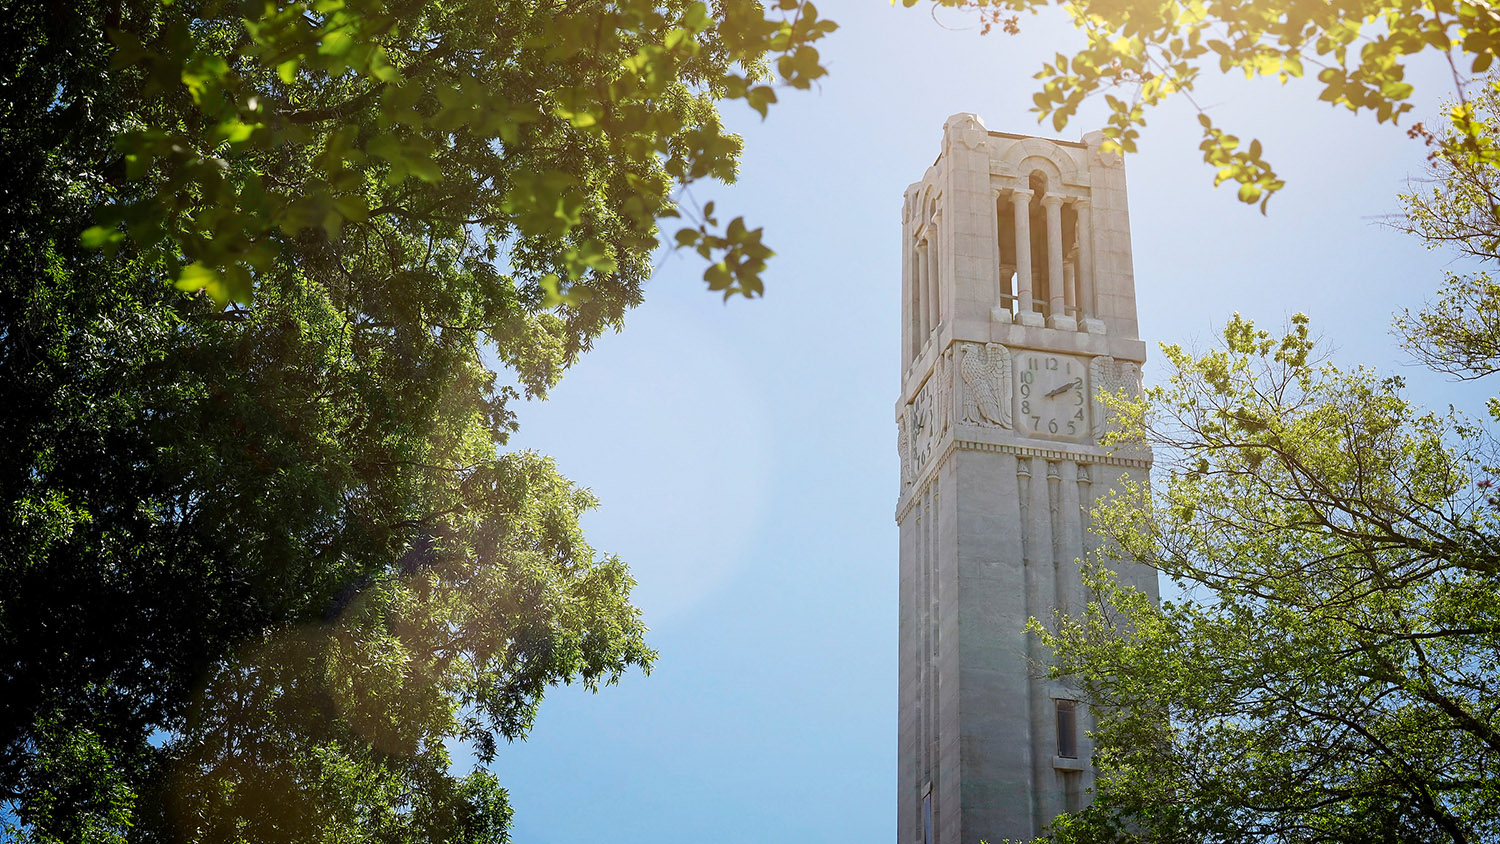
pixel 488 115
pixel 1333 671
pixel 264 556
pixel 1152 52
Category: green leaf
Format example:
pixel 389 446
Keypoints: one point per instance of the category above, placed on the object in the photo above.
pixel 1396 90
pixel 353 207
pixel 552 295
pixel 717 275
pixel 696 17
pixel 234 131
pixel 199 276
pixel 337 43
pixel 99 237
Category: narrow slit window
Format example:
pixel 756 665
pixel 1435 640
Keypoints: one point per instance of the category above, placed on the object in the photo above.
pixel 1067 729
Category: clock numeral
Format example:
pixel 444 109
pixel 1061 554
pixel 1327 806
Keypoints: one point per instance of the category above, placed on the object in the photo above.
pixel 1026 407
pixel 1052 426
pixel 1036 422
pixel 1025 387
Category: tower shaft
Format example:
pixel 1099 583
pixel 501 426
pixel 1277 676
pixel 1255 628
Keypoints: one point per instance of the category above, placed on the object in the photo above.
pixel 1018 310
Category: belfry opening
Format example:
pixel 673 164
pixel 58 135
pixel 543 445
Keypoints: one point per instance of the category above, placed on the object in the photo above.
pixel 1046 221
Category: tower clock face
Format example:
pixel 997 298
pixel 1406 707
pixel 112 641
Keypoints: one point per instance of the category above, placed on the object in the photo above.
pixel 1051 396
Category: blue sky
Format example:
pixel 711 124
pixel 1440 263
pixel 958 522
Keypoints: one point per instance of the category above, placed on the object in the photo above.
pixel 744 454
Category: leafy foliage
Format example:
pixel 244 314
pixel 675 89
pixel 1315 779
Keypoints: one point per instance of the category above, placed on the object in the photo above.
pixel 264 561
pixel 1150 52
pixel 1333 671
pixel 491 117
pixel 1459 208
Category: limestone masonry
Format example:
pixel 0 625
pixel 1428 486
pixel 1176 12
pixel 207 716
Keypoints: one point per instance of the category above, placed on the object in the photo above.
pixel 1017 311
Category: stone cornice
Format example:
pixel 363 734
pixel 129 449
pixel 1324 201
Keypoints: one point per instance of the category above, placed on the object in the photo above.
pixel 1093 456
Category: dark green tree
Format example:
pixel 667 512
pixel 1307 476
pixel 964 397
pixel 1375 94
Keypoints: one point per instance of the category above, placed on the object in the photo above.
pixel 263 554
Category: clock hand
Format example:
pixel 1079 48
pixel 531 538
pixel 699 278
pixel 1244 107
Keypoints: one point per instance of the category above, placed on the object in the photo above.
pixel 1060 390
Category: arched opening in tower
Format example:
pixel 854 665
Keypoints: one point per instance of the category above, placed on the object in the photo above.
pixel 1044 299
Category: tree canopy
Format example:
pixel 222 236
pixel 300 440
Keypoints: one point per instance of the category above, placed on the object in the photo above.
pixel 1331 672
pixel 265 556
pixel 1140 55
pixel 490 117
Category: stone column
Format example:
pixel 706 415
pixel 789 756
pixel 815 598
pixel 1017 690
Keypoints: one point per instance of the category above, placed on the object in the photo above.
pixel 918 299
pixel 1057 316
pixel 1020 202
pixel 1070 278
pixel 934 283
pixel 1060 602
pixel 1087 309
pixel 925 263
pixel 1000 311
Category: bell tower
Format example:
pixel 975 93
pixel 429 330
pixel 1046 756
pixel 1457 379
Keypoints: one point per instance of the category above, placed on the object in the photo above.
pixel 1018 310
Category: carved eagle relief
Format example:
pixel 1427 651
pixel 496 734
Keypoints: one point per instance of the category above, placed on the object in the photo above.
pixel 1111 376
pixel 985 374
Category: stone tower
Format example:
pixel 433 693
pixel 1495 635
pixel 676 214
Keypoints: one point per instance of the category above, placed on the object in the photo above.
pixel 1018 309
